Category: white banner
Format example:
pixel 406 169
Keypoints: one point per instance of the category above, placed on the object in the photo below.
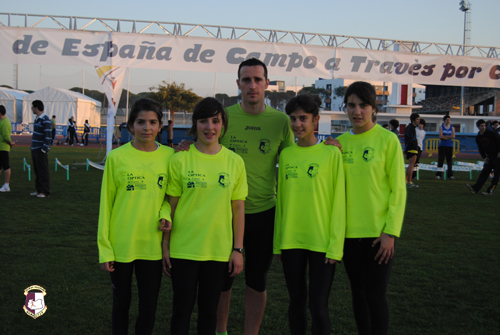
pixel 69 47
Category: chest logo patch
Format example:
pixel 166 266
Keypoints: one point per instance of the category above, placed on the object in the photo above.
pixel 313 169
pixel 162 180
pixel 368 154
pixel 224 180
pixel 265 146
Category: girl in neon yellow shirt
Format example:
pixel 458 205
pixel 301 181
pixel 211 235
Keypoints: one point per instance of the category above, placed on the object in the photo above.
pixel 310 218
pixel 133 190
pixel 376 199
pixel 207 188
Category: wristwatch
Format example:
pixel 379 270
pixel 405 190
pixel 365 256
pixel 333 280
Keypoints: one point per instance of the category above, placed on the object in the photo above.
pixel 240 250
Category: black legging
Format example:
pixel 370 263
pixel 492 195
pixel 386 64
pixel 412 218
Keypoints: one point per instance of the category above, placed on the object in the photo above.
pixel 148 275
pixel 188 277
pixel 369 282
pixel 320 283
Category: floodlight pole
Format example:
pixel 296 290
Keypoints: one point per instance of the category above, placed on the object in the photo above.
pixel 464 7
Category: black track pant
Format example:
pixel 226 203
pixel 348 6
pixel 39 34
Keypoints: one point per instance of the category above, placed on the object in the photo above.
pixel 369 282
pixel 295 262
pixel 148 274
pixel 445 152
pixel 493 164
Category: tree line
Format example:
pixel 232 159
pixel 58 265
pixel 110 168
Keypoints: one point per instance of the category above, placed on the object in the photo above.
pixel 176 97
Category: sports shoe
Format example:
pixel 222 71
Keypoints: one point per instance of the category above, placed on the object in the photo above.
pixel 5 188
pixel 41 195
pixel 473 191
pixel 490 192
pixel 438 177
pixel 34 194
pixel 411 185
pixel 452 178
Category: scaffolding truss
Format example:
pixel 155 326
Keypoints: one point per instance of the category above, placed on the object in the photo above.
pixel 238 33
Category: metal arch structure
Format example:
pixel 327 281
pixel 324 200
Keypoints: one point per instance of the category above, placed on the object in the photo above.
pixel 237 33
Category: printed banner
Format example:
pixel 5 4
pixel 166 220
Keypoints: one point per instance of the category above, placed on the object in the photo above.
pixel 111 78
pixel 112 82
pixel 70 47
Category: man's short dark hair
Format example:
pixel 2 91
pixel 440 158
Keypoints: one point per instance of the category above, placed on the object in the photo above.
pixel 494 122
pixel 480 122
pixel 446 117
pixel 53 116
pixel 253 62
pixel 3 111
pixel 38 104
pixel 414 116
pixel 394 123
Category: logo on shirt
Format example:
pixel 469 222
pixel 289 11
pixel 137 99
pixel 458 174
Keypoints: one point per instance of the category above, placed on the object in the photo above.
pixel 196 180
pixel 313 169
pixel 162 180
pixel 265 146
pixel 252 128
pixel 347 156
pixel 35 302
pixel 224 180
pixel 135 182
pixel 291 171
pixel 368 154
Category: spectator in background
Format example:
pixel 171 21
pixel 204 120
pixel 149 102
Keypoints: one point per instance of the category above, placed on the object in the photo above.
pixel 40 146
pixel 170 134
pixel 386 126
pixel 72 131
pixel 494 126
pixel 86 131
pixel 412 148
pixel 445 149
pixel 394 126
pixel 420 141
pixel 488 144
pixel 5 145
pixel 53 122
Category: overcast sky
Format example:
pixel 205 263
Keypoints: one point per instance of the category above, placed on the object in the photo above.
pixel 424 20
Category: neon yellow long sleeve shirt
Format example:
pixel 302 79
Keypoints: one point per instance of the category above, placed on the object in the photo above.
pixel 375 183
pixel 310 211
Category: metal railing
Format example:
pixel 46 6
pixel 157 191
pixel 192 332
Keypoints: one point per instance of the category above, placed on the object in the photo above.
pixel 239 33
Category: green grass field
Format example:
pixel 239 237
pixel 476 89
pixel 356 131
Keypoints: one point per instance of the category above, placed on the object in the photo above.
pixel 445 276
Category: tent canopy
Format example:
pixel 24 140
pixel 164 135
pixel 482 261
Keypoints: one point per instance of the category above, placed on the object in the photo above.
pixel 63 104
pixel 13 103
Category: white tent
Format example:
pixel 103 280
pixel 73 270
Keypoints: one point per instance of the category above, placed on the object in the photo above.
pixel 64 104
pixel 13 102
